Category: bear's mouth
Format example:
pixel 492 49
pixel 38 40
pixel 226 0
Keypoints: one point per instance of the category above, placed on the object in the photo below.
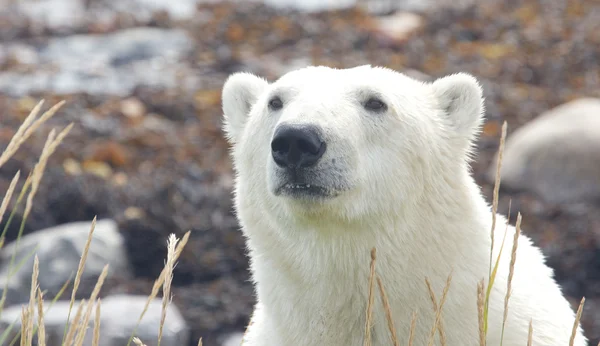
pixel 296 190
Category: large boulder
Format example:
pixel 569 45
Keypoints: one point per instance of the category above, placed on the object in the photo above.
pixel 557 155
pixel 59 250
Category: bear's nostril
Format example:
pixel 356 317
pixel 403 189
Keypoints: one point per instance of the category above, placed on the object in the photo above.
pixel 297 146
pixel 280 145
pixel 308 147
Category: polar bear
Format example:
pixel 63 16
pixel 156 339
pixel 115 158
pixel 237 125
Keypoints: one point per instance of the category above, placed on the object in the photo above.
pixel 330 163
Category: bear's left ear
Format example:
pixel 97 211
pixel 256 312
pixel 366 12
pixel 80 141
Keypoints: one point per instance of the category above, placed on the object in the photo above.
pixel 240 92
pixel 461 98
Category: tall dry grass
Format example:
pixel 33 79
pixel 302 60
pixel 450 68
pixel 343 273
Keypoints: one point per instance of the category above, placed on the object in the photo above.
pixel 74 331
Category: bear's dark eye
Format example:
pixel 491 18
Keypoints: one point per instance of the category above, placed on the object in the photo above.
pixel 275 103
pixel 375 105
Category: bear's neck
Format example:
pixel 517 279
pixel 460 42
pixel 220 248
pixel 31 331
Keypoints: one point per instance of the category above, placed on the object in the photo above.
pixel 430 239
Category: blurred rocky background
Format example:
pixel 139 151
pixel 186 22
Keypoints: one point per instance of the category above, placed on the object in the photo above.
pixel 142 81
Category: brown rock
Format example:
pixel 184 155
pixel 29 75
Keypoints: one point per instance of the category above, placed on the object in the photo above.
pixel 110 152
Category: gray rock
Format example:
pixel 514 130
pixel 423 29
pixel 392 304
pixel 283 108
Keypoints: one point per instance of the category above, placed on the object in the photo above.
pixel 75 14
pixel 55 14
pixel 375 6
pixel 113 63
pixel 121 312
pixel 118 318
pixel 557 155
pixel 59 250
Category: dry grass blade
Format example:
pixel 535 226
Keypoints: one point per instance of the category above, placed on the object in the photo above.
pixel 492 272
pixel 413 326
pixel 480 307
pixel 96 340
pixel 158 283
pixel 73 325
pixel 41 332
pixel 32 300
pixel 20 197
pixel 171 246
pixel 435 308
pixel 369 313
pixel 38 170
pixel 497 188
pixel 200 342
pixel 16 140
pixel 86 319
pixel 438 314
pixel 513 259
pixel 24 320
pixel 80 269
pixel 8 195
pixel 530 333
pixel 388 312
pixel 576 323
pixel 27 128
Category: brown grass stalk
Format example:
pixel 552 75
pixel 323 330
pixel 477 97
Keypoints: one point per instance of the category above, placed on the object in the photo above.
pixel 441 331
pixel 171 245
pixel 438 314
pixel 19 137
pixel 32 299
pixel 388 312
pixel 576 323
pixel 96 339
pixel 24 323
pixel 41 331
pixel 480 307
pixel 20 197
pixel 413 326
pixel 73 325
pixel 492 272
pixel 511 271
pixel 369 313
pixel 90 305
pixel 497 190
pixel 8 195
pixel 28 127
pixel 80 269
pixel 38 170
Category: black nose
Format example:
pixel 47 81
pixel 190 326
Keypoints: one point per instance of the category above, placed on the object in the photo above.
pixel 297 146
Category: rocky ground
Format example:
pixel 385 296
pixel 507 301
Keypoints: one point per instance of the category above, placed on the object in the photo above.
pixel 142 86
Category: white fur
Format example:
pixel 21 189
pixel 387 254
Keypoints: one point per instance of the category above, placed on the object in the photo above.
pixel 406 191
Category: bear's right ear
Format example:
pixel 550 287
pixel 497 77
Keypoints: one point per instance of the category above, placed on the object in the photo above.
pixel 461 98
pixel 240 92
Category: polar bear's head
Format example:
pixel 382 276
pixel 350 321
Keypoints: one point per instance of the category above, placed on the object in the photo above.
pixel 346 142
